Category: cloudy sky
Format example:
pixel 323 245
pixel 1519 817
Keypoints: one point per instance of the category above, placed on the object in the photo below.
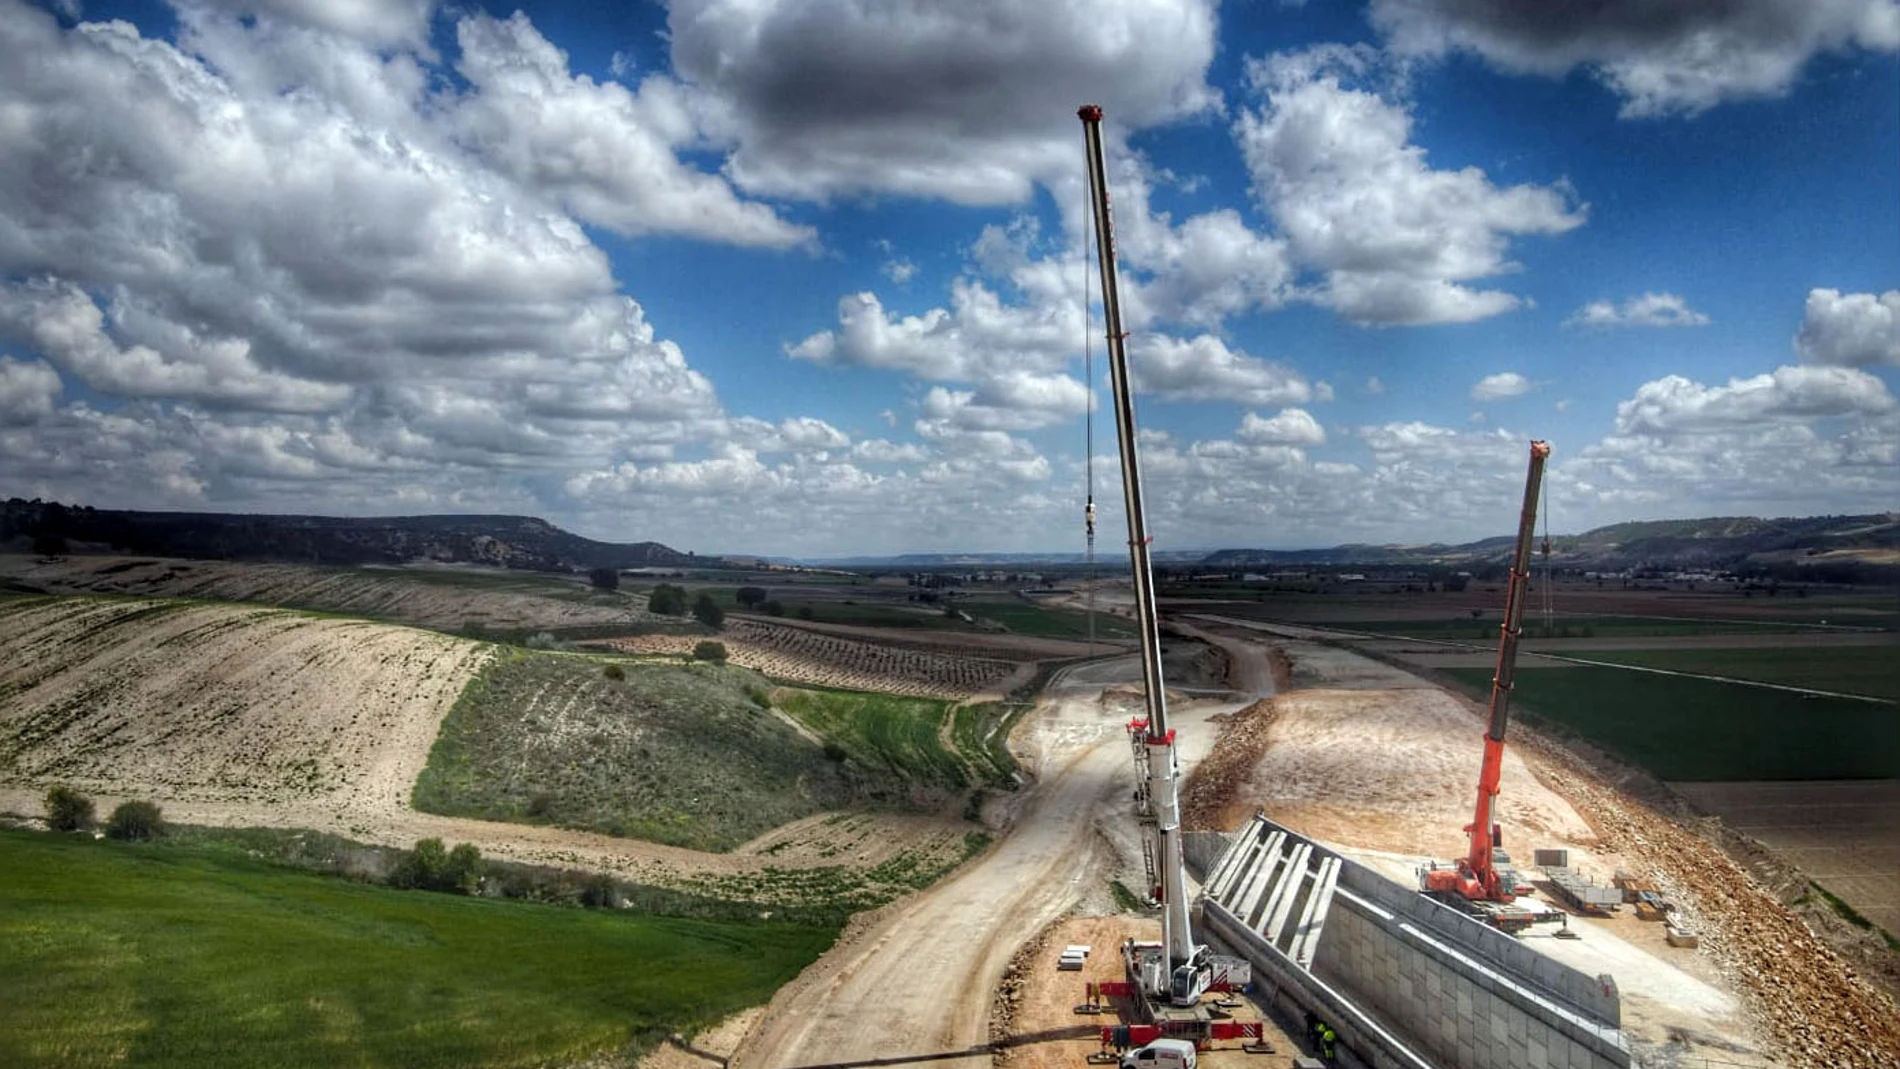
pixel 806 276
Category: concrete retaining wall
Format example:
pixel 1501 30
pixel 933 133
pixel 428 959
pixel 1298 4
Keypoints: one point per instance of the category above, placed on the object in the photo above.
pixel 1408 982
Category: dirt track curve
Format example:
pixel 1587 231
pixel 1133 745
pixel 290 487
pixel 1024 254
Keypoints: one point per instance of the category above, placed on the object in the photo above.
pixel 916 979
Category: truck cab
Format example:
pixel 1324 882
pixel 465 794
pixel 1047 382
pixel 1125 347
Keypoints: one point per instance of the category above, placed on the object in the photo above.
pixel 1161 1054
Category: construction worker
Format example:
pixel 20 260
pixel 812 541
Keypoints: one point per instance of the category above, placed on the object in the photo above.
pixel 1323 1037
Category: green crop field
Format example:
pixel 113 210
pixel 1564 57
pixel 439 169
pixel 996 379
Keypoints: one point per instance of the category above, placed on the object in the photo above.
pixel 902 736
pixel 1695 729
pixel 1485 628
pixel 1026 618
pixel 147 955
pixel 1870 670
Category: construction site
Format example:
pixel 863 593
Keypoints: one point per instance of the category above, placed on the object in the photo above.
pixel 1197 830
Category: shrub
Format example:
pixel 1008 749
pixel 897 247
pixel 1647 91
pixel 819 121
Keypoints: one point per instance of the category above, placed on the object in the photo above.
pixel 667 600
pixel 463 870
pixel 708 612
pixel 614 672
pixel 68 810
pixel 709 651
pixel 759 695
pixel 775 607
pixel 804 612
pixel 135 820
pixel 423 868
pixel 541 640
pixel 604 578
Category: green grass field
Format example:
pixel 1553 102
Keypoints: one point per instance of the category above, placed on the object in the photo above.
pixel 1466 627
pixel 902 736
pixel 1870 670
pixel 1693 729
pixel 1026 618
pixel 121 954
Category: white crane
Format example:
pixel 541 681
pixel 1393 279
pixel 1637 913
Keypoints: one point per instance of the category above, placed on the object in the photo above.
pixel 1189 971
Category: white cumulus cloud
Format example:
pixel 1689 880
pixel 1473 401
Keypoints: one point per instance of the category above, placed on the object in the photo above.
pixel 1853 329
pixel 1661 57
pixel 1394 240
pixel 1500 386
pixel 1647 310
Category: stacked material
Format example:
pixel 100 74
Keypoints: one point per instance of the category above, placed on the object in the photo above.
pixel 1576 890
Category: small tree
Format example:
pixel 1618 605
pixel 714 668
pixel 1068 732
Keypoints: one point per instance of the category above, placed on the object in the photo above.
pixel 68 810
pixel 751 596
pixel 424 867
pixel 135 820
pixel 710 651
pixel 708 612
pixel 775 607
pixel 667 600
pixel 605 578
pixel 463 870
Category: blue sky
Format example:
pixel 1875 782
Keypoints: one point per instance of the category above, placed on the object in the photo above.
pixel 806 278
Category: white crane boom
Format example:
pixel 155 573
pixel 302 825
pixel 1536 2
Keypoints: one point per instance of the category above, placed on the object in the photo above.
pixel 1188 971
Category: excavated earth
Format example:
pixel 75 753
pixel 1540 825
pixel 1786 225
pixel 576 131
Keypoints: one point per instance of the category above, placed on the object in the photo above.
pixel 1361 755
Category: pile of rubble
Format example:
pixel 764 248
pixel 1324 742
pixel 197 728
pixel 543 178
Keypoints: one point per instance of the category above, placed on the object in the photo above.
pixel 1211 797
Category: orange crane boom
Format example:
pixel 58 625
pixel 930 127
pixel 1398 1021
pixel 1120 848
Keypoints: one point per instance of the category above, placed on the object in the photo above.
pixel 1476 876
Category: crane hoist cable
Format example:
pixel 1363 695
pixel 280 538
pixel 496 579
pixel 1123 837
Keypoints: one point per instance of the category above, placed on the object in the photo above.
pixel 1549 612
pixel 1088 423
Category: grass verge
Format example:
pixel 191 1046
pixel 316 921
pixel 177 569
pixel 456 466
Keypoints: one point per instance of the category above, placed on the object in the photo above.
pixel 169 955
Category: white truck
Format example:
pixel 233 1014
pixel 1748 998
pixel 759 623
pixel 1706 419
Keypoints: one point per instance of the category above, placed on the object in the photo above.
pixel 1161 1054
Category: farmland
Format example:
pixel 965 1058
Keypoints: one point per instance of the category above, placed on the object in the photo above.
pixel 1695 729
pixel 1873 671
pixel 696 755
pixel 1840 833
pixel 148 956
pixel 804 655
pixel 480 601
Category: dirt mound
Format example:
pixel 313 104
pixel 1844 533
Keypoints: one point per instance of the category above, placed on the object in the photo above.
pixel 219 703
pixel 1385 769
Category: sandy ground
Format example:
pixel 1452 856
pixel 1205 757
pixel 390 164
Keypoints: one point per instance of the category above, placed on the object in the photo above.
pixel 1387 773
pixel 916 979
pixel 1045 1031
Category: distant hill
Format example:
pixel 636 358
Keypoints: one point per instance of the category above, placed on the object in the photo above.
pixel 501 541
pixel 1813 543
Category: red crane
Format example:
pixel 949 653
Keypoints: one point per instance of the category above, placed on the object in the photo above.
pixel 1476 877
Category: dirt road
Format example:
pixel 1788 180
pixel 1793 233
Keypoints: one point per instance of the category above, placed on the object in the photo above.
pixel 917 981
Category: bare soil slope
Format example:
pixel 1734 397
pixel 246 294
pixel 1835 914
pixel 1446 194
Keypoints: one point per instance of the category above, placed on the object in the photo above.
pixel 1384 769
pixel 219 702
pixel 444 598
